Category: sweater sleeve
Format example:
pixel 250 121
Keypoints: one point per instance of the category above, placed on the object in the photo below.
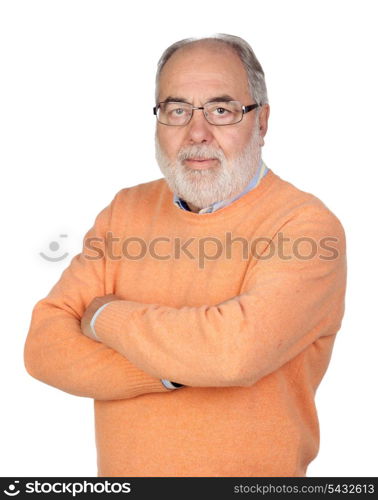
pixel 293 298
pixel 56 351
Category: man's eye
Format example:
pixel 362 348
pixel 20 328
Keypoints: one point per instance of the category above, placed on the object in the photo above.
pixel 175 111
pixel 221 111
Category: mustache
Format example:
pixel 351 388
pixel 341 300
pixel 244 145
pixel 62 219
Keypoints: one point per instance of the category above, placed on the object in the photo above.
pixel 201 152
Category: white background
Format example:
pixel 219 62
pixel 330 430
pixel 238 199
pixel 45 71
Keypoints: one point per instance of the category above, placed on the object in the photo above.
pixel 76 97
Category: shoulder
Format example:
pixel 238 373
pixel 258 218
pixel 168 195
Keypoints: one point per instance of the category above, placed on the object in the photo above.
pixel 129 202
pixel 142 191
pixel 296 208
pixel 139 197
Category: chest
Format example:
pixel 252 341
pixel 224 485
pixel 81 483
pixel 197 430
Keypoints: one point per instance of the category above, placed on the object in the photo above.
pixel 176 270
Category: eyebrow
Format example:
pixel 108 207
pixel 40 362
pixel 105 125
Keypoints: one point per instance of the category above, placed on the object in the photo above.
pixel 220 98
pixel 175 99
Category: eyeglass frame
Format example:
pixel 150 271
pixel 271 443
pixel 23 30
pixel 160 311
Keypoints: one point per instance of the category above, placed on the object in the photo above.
pixel 245 109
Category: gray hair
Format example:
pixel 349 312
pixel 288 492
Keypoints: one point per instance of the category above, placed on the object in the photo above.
pixel 255 73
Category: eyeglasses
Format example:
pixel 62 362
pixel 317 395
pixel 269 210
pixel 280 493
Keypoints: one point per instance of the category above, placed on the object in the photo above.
pixel 217 113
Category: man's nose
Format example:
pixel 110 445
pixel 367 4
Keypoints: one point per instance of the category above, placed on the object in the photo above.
pixel 199 129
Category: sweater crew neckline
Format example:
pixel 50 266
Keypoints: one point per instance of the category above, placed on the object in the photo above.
pixel 233 209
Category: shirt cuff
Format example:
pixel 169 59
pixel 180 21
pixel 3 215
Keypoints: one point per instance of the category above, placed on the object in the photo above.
pixel 92 323
pixel 170 385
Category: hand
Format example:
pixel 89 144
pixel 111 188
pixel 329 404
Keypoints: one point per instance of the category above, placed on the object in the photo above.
pixel 96 303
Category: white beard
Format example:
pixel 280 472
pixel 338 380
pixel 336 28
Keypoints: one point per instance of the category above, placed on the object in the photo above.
pixel 210 185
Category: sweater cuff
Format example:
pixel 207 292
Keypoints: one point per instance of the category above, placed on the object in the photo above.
pixel 140 381
pixel 109 321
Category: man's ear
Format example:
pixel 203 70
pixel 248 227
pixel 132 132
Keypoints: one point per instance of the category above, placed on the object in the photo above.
pixel 263 122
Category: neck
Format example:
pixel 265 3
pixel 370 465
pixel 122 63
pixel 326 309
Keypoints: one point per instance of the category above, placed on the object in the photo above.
pixel 193 208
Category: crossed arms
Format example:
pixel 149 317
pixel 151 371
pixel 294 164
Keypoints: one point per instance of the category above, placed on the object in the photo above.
pixel 287 306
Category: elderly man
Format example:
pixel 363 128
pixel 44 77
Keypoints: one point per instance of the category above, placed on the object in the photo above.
pixel 202 312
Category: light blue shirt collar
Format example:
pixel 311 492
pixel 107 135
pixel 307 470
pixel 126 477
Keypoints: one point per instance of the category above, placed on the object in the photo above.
pixel 261 172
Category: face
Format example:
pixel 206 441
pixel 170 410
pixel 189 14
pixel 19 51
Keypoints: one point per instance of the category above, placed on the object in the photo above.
pixel 205 163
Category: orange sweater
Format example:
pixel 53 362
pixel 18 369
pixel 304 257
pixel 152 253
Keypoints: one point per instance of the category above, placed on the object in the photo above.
pixel 241 306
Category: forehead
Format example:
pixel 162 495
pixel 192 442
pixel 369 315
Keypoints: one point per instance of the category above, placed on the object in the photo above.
pixel 199 72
